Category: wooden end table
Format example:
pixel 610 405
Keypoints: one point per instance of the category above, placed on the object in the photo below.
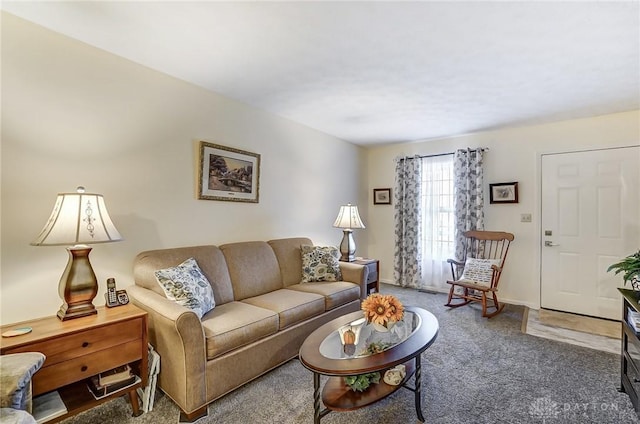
pixel 80 348
pixel 322 353
pixel 373 278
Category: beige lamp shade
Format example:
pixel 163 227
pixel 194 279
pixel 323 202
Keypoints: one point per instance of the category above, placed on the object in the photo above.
pixel 348 217
pixel 78 218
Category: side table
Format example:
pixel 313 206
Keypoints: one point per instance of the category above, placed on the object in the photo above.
pixel 373 279
pixel 629 358
pixel 80 348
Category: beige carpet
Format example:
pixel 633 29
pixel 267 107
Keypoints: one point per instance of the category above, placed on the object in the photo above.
pixel 594 333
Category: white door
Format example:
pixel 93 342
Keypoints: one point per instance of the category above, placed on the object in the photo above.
pixel 590 212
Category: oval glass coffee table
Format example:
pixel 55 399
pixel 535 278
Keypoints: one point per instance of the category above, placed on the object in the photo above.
pixel 325 353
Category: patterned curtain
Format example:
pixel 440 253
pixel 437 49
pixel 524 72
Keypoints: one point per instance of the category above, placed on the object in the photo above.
pixel 407 267
pixel 469 194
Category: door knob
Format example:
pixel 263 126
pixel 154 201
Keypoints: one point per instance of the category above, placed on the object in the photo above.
pixel 550 244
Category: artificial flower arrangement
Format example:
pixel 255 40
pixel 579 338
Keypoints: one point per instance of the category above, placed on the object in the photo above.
pixel 382 310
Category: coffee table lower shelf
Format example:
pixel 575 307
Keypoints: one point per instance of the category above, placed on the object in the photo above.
pixel 337 396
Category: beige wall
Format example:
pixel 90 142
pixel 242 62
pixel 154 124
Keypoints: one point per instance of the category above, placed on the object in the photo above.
pixel 75 115
pixel 514 155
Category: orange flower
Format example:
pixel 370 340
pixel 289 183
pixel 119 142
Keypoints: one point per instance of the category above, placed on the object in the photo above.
pixel 381 309
pixel 397 310
pixel 376 309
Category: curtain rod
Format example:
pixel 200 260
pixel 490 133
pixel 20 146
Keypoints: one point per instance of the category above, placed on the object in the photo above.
pixel 442 154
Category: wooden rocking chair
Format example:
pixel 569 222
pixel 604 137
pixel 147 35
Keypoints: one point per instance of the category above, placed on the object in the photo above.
pixel 479 272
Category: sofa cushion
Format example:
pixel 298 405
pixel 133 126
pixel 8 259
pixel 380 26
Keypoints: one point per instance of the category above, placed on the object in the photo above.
pixel 292 306
pixel 320 263
pixel 335 293
pixel 187 286
pixel 236 324
pixel 253 268
pixel 287 252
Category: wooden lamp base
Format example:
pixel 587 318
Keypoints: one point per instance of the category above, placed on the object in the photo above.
pixel 78 285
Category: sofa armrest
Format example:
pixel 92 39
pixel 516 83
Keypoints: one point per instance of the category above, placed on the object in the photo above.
pixel 355 273
pixel 177 335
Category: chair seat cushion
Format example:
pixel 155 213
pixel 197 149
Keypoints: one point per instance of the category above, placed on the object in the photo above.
pixel 292 306
pixel 16 372
pixel 15 416
pixel 335 293
pixel 236 324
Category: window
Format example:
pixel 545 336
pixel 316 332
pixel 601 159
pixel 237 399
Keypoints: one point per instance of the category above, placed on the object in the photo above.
pixel 437 218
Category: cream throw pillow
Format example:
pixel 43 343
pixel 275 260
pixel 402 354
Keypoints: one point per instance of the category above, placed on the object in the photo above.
pixel 479 271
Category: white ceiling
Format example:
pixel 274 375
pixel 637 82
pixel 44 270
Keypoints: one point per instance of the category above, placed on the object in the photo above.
pixel 380 72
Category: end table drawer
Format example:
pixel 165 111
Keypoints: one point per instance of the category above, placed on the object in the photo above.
pixel 373 275
pixel 67 372
pixel 632 375
pixel 86 342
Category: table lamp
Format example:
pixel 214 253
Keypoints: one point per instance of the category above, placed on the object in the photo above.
pixel 78 219
pixel 348 219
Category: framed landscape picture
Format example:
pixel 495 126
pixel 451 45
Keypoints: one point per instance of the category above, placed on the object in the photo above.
pixel 228 174
pixel 381 196
pixel 503 193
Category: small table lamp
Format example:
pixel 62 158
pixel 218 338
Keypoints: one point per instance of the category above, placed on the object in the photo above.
pixel 348 219
pixel 78 219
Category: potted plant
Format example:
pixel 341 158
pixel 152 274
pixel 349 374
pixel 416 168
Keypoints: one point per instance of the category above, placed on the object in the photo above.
pixel 630 267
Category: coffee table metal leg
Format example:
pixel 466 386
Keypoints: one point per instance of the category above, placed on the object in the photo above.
pixel 316 398
pixel 418 385
pixel 317 413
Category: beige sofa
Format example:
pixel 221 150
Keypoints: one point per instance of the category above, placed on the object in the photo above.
pixel 262 315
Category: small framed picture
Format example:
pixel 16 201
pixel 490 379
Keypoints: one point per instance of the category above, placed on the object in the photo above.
pixel 228 174
pixel 381 196
pixel 503 193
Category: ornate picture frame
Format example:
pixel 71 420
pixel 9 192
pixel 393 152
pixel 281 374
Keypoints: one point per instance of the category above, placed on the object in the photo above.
pixel 381 196
pixel 228 174
pixel 503 193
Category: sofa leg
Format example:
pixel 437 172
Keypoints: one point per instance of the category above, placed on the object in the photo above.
pixel 195 415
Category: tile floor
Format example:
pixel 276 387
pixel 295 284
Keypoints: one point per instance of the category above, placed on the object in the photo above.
pixel 575 329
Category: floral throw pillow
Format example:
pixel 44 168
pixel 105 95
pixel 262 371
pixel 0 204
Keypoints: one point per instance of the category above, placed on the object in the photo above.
pixel 320 264
pixel 479 271
pixel 187 286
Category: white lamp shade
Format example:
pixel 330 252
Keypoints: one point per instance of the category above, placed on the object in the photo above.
pixel 348 217
pixel 78 218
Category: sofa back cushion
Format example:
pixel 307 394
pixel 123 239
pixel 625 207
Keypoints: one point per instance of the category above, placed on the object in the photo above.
pixel 253 268
pixel 289 258
pixel 209 258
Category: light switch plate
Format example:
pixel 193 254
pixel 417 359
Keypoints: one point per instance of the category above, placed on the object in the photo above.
pixel 525 217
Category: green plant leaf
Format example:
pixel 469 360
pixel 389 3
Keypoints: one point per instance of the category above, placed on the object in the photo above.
pixel 360 383
pixel 629 267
